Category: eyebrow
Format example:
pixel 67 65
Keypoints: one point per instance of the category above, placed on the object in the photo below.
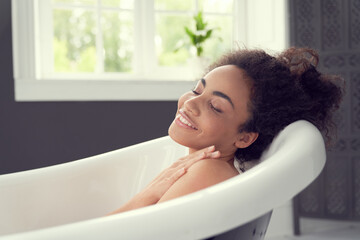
pixel 219 94
pixel 203 82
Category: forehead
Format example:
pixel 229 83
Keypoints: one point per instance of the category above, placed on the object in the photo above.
pixel 230 78
pixel 228 74
pixel 231 81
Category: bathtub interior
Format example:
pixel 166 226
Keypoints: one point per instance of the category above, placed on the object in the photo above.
pixel 89 188
pixel 82 189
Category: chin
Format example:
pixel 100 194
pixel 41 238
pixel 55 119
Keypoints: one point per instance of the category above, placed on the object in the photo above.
pixel 176 136
pixel 180 141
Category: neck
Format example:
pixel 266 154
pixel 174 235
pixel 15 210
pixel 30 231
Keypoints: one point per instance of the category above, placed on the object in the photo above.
pixel 226 157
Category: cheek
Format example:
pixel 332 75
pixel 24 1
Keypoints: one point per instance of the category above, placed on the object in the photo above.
pixel 215 127
pixel 212 126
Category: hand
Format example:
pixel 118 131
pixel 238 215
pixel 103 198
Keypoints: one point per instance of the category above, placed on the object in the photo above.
pixel 170 175
pixel 158 187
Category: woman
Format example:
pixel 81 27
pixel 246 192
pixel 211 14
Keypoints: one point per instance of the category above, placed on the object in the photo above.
pixel 237 108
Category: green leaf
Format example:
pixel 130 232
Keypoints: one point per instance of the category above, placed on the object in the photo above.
pixel 199 51
pixel 208 33
pixel 201 33
pixel 200 24
pixel 191 35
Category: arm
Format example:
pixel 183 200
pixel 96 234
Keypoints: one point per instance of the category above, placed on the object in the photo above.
pixel 161 184
pixel 149 195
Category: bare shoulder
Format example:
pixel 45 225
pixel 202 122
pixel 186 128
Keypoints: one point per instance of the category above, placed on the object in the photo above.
pixel 200 175
pixel 212 170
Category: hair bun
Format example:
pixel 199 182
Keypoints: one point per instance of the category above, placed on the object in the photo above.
pixel 324 92
pixel 299 60
pixel 302 63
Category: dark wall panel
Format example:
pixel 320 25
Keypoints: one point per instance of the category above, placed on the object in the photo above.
pixel 333 28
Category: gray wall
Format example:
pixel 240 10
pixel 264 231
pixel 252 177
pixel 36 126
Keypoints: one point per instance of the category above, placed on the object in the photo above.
pixel 38 134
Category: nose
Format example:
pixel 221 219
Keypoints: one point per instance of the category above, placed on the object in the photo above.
pixel 192 105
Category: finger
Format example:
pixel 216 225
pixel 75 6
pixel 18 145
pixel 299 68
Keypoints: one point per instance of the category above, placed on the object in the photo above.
pixel 199 153
pixel 206 150
pixel 209 149
pixel 171 177
pixel 177 175
pixel 213 155
pixel 205 155
pixel 169 172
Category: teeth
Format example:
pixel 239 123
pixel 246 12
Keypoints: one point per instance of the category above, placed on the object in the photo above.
pixel 183 120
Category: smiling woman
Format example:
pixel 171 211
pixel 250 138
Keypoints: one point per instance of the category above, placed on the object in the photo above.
pixel 216 107
pixel 235 111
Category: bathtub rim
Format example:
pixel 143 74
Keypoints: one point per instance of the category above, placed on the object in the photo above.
pixel 129 218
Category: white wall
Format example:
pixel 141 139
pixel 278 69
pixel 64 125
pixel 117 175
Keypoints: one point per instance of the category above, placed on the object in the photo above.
pixel 265 24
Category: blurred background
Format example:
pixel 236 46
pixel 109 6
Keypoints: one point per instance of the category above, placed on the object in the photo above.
pixel 79 43
pixel 79 39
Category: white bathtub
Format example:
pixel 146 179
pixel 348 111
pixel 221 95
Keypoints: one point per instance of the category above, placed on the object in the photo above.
pixel 68 201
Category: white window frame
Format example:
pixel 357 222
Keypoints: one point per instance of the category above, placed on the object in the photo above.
pixel 30 85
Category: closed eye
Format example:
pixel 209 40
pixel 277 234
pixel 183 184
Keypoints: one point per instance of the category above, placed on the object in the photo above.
pixel 195 92
pixel 215 109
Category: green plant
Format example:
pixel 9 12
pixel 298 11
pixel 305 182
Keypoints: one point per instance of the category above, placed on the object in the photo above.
pixel 199 36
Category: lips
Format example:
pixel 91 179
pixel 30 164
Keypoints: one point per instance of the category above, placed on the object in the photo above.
pixel 184 119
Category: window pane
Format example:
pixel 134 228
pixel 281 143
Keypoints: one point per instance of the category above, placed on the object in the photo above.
pixel 118 41
pixel 213 47
pixel 125 4
pixel 219 6
pixel 74 41
pixel 75 2
pixel 174 4
pixel 169 30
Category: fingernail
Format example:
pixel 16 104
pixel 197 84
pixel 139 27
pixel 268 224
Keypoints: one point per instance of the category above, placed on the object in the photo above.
pixel 211 148
pixel 215 154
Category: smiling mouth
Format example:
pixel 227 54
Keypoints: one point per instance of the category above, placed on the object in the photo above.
pixel 184 121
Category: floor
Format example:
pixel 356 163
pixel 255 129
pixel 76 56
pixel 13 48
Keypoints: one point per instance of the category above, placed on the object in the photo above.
pixel 339 234
pixel 331 230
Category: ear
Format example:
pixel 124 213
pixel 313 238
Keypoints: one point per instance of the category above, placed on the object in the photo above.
pixel 245 139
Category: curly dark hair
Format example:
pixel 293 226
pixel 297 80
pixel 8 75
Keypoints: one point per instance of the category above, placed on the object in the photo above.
pixel 284 88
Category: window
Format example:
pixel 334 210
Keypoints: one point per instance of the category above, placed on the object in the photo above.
pixel 124 49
